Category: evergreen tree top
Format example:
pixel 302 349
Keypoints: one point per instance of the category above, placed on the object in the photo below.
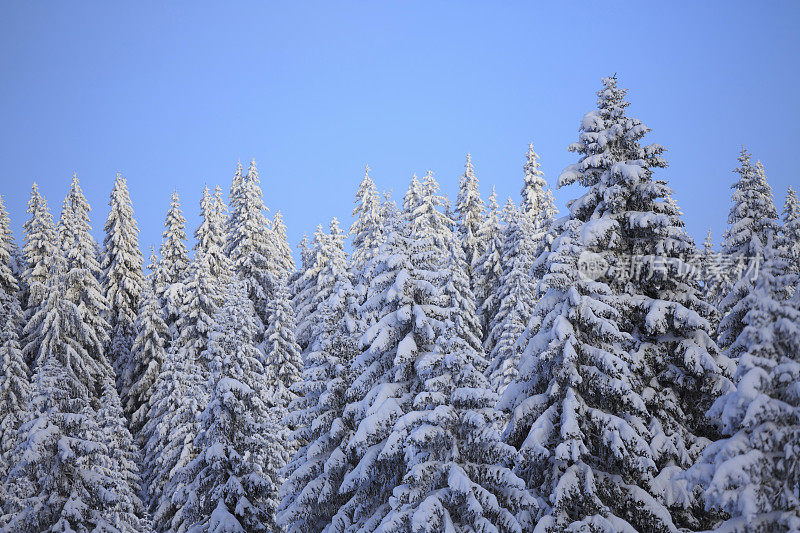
pixel 40 238
pixel 753 217
pixel 609 136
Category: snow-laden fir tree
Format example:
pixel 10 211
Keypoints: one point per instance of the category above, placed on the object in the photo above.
pixel 413 196
pixel 429 220
pixel 636 327
pixel 457 474
pixel 488 268
pixel 516 298
pixel 252 249
pixel 231 485
pixel 284 366
pixel 711 275
pixel 753 473
pixel 644 241
pixel 305 253
pixel 147 358
pixel 283 256
pixel 40 240
pixel 366 229
pixel 313 286
pixel 494 270
pixel 61 480
pixel 537 201
pixel 234 205
pixel 79 250
pixel 123 277
pixel 789 240
pixel 309 496
pixel 173 265
pixel 121 464
pixel 578 418
pixel 405 299
pixel 458 471
pixel 180 394
pixel 752 221
pixel 14 373
pixel 470 214
pixel 210 235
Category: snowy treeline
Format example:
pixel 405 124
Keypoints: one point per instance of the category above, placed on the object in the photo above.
pixel 461 369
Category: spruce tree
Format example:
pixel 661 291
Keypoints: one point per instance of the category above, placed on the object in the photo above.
pixel 515 297
pixel 61 481
pixel 470 216
pixel 656 366
pixel 147 359
pixel 79 251
pixel 307 287
pixel 173 266
pixel 578 420
pixel 180 394
pixel 252 249
pixel 284 365
pixel 310 494
pixel 789 240
pixel 283 256
pixel 751 223
pixel 231 485
pixel 123 277
pixel 210 235
pixel 40 242
pixel 14 374
pixel 753 473
pixel 366 229
pixel 406 300
pixel 488 268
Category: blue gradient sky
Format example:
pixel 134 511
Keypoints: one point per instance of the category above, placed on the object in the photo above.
pixel 173 94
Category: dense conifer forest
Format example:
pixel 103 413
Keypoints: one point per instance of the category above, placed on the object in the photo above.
pixel 431 367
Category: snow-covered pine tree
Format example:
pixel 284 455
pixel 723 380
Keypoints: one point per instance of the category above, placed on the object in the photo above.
pixel 283 257
pixel 210 235
pixel 537 202
pixel 252 249
pixel 79 250
pixel 753 474
pixel 180 393
pixel 147 359
pixel 711 275
pixel 173 266
pixel 752 221
pixel 40 250
pixel 578 420
pixel 231 485
pixel 490 301
pixel 234 205
pixel 515 296
pixel 283 363
pixel 413 196
pixel 123 277
pixel 121 464
pixel 662 304
pixel 430 221
pixel 61 481
pixel 40 241
pixel 656 367
pixel 14 374
pixel 470 213
pixel 366 228
pixel 457 474
pixel 789 240
pixel 308 290
pixel 488 268
pixel 309 496
pixel 305 253
pixel 406 300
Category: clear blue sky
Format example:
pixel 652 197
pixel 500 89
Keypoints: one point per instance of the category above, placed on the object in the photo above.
pixel 172 94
